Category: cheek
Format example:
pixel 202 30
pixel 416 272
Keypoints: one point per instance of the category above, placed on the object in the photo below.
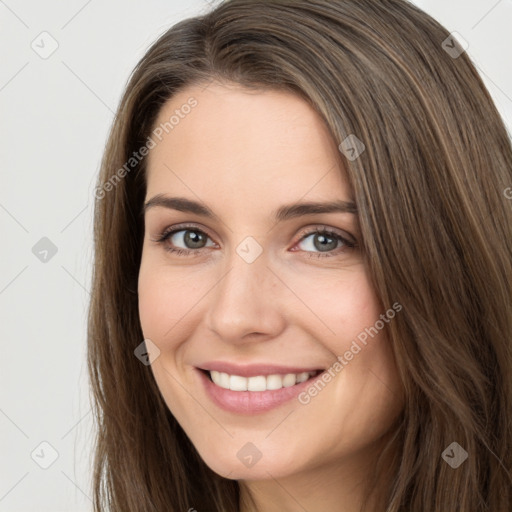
pixel 163 306
pixel 364 372
pixel 341 304
pixel 153 298
pixel 164 298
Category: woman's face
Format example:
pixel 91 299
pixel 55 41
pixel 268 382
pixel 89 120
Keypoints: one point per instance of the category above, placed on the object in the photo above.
pixel 258 294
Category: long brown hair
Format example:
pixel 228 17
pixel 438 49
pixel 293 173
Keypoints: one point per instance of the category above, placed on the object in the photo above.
pixel 436 227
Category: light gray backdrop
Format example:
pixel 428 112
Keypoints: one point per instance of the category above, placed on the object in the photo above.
pixel 64 66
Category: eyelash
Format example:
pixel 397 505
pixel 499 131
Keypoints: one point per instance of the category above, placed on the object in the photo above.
pixel 168 233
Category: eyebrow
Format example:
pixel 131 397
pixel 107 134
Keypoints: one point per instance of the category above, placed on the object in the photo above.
pixel 283 213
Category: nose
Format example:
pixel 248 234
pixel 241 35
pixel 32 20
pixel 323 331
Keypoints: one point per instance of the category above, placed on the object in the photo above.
pixel 245 305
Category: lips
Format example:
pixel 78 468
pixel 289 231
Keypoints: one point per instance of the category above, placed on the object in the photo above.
pixel 253 389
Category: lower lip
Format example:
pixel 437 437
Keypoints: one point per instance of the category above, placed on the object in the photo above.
pixel 251 402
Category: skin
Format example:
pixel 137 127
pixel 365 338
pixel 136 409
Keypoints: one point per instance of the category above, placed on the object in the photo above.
pixel 245 153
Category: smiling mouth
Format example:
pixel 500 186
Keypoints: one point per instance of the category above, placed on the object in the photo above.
pixel 258 383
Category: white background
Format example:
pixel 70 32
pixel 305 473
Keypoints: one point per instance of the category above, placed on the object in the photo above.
pixel 55 114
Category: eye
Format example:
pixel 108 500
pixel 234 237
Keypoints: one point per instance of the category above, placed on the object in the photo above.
pixel 190 238
pixel 326 242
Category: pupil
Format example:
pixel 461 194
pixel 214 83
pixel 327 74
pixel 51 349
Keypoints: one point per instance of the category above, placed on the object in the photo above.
pixel 193 239
pixel 324 244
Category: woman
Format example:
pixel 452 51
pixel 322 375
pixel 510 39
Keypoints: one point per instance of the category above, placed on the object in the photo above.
pixel 301 291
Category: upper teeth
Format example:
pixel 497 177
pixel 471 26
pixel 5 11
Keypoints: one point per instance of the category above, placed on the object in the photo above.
pixel 260 382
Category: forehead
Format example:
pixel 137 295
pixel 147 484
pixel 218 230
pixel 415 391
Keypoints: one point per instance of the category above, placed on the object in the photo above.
pixel 250 144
